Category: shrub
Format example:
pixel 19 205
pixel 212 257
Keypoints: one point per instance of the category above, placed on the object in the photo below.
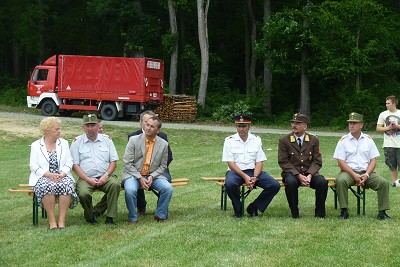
pixel 225 113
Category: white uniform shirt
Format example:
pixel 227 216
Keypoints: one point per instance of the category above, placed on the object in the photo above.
pixel 391 138
pixel 356 153
pixel 244 154
pixel 93 158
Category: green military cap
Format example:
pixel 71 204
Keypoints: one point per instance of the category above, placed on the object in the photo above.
pixel 355 117
pixel 90 118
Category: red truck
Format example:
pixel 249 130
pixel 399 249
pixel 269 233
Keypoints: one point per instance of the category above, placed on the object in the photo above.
pixel 112 86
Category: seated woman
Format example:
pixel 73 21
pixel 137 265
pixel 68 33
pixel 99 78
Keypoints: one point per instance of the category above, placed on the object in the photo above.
pixel 50 164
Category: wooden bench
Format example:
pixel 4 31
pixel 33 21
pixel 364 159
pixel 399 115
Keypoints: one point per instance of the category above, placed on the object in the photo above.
pixel 359 192
pixel 25 188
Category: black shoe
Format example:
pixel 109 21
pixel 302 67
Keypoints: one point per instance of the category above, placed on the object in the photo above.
pixel 92 221
pixel 252 210
pixel 383 216
pixel 344 214
pixel 142 212
pixel 96 215
pixel 110 221
pixel 237 216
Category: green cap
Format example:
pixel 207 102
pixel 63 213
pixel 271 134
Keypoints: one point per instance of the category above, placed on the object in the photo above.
pixel 90 118
pixel 355 117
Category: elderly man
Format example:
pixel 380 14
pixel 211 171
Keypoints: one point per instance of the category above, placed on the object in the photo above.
pixel 244 154
pixel 141 198
pixel 300 160
pixel 356 155
pixel 145 161
pixel 95 159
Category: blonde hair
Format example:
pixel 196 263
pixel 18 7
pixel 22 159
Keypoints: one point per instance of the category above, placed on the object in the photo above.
pixel 47 124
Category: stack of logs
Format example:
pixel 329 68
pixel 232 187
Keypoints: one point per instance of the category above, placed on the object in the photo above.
pixel 177 108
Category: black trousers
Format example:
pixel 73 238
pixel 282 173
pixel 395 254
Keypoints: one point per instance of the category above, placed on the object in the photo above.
pixel 292 185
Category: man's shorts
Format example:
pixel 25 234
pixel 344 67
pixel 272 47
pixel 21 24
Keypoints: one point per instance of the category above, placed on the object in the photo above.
pixel 392 157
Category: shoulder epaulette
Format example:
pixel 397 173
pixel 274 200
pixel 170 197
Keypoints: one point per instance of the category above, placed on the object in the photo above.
pixel 229 137
pixel 343 137
pixel 109 137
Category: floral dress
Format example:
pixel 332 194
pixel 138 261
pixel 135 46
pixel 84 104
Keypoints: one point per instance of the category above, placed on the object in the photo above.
pixel 46 186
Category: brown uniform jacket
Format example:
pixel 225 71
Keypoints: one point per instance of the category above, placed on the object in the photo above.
pixel 306 161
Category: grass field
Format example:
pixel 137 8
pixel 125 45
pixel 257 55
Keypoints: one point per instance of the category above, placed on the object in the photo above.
pixel 198 233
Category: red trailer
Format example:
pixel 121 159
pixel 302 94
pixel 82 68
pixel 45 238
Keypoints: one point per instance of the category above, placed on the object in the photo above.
pixel 112 86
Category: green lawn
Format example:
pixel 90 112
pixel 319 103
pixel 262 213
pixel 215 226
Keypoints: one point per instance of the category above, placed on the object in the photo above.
pixel 198 232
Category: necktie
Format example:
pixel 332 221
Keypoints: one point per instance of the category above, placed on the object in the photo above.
pixel 299 141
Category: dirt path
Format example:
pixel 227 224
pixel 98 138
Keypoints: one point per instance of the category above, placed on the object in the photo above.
pixel 24 124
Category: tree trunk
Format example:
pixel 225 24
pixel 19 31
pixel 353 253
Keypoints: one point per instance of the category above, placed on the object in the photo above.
pixel 16 58
pixel 173 71
pixel 305 85
pixel 247 52
pixel 202 12
pixel 253 47
pixel 267 105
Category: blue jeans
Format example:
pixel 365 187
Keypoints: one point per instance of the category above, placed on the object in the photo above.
pixel 132 186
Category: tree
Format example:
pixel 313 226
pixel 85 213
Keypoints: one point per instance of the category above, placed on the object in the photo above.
pixel 267 72
pixel 173 71
pixel 251 88
pixel 202 13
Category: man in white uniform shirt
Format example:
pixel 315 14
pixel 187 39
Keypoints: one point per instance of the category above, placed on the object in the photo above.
pixel 244 155
pixel 356 155
pixel 389 124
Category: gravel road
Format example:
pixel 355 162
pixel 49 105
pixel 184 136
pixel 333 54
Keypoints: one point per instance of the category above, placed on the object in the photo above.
pixel 168 125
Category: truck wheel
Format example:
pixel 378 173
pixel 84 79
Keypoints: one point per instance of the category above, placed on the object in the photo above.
pixel 109 112
pixel 49 108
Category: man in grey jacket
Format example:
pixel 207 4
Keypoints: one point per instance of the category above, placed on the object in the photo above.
pixel 145 160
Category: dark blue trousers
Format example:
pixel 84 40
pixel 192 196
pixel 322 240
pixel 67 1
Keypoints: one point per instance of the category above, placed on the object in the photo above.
pixel 233 182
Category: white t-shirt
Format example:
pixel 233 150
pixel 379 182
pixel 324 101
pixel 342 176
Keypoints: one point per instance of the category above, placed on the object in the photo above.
pixel 244 154
pixel 391 138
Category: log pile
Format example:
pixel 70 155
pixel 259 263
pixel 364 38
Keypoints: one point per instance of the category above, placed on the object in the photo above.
pixel 177 108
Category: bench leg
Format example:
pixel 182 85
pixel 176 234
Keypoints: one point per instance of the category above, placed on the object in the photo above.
pixel 222 196
pixel 358 201
pixel 35 211
pixel 242 198
pixel 334 197
pixel 363 197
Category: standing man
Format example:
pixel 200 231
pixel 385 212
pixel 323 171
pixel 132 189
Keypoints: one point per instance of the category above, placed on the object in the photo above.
pixel 356 155
pixel 389 123
pixel 300 160
pixel 141 199
pixel 95 159
pixel 145 162
pixel 244 155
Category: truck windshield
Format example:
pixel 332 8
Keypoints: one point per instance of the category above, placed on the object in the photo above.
pixel 40 75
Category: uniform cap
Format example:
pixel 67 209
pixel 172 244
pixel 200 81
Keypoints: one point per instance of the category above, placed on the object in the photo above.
pixel 299 117
pixel 355 117
pixel 90 118
pixel 242 119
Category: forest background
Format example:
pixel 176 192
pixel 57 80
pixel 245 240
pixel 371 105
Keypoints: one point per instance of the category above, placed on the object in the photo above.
pixel 267 58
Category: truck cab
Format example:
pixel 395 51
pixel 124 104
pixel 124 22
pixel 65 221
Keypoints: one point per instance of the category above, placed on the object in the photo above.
pixel 41 85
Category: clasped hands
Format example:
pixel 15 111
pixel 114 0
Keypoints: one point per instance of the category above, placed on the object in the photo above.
pixel 146 183
pixel 361 179
pixel 56 177
pixel 250 182
pixel 304 180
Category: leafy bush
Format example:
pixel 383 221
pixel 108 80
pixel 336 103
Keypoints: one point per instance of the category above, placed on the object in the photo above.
pixel 225 113
pixel 12 93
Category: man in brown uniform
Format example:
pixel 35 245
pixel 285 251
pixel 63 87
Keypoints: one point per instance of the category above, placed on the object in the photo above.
pixel 300 160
